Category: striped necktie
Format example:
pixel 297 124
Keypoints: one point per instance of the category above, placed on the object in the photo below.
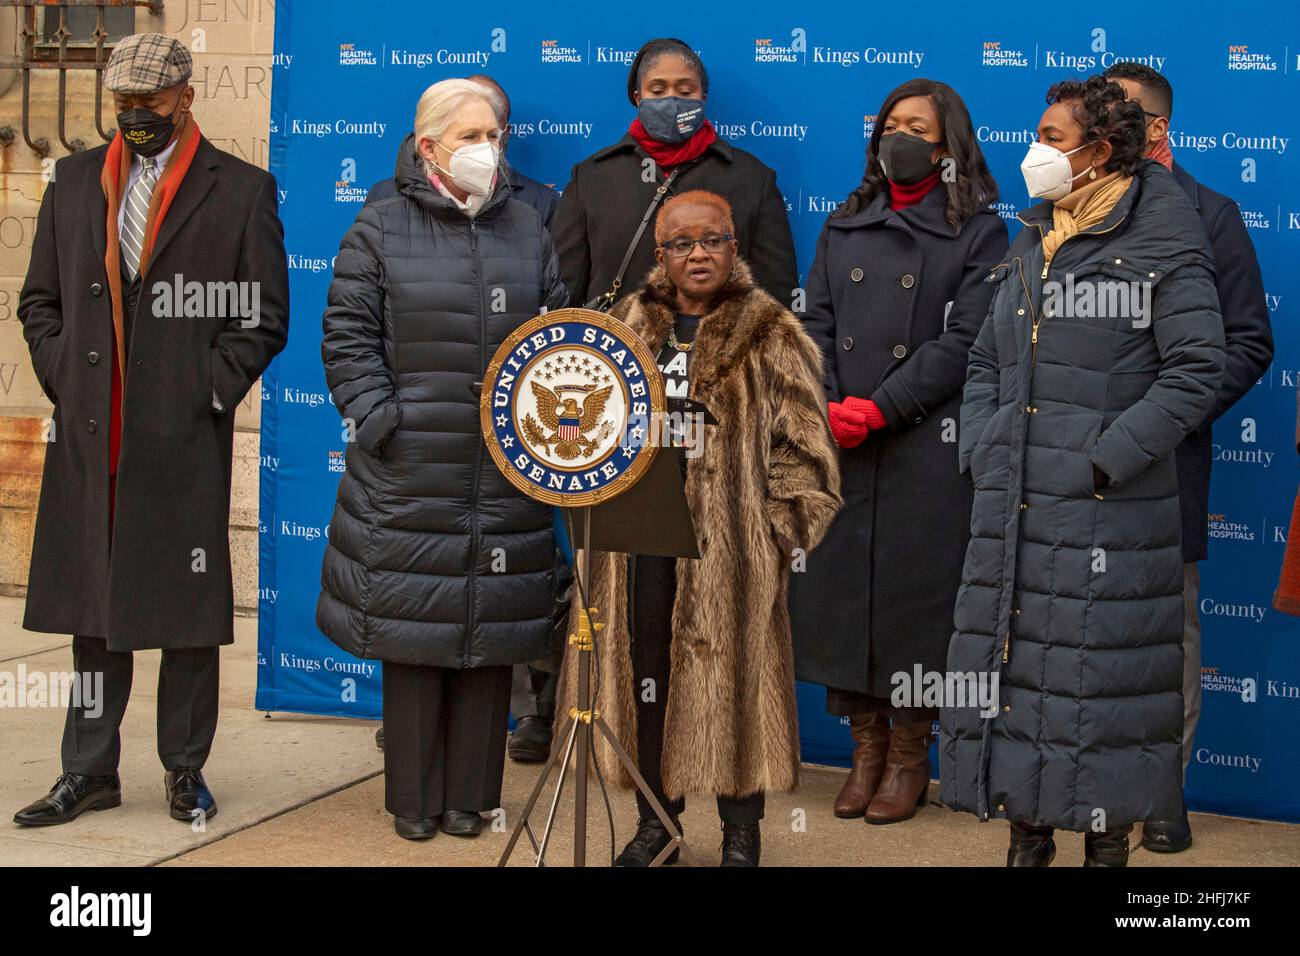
pixel 136 214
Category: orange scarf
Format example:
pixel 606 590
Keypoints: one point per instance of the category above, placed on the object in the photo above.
pixel 113 179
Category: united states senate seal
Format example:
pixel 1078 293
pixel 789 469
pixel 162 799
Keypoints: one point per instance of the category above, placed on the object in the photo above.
pixel 567 406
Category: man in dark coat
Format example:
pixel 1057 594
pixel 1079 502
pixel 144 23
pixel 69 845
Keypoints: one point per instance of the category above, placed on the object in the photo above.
pixel 156 295
pixel 1248 347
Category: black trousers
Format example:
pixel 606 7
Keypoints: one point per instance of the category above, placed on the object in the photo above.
pixel 187 707
pixel 654 588
pixel 444 738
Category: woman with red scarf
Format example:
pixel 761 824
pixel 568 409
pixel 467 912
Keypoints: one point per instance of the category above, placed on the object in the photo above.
pixel 896 295
pixel 609 192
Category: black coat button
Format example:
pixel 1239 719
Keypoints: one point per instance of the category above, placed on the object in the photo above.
pixel 133 299
pixel 92 426
pixel 907 281
pixel 848 342
pixel 96 288
pixel 900 351
pixel 856 275
pixel 92 357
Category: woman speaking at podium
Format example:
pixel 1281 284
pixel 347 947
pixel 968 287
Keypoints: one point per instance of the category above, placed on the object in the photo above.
pixel 436 565
pixel 696 673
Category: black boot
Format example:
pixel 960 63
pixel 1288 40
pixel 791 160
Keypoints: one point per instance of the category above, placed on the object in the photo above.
pixel 650 839
pixel 72 795
pixel 416 828
pixel 531 741
pixel 188 796
pixel 1168 836
pixel 464 823
pixel 1030 845
pixel 1108 848
pixel 379 738
pixel 741 844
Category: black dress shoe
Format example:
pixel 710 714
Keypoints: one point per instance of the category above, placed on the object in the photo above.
pixel 463 823
pixel 379 738
pixel 188 796
pixel 1108 848
pixel 425 828
pixel 72 795
pixel 1030 845
pixel 1167 836
pixel 531 741
pixel 741 844
pixel 648 842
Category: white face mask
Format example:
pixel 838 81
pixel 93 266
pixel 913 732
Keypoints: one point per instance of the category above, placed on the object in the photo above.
pixel 1047 171
pixel 472 167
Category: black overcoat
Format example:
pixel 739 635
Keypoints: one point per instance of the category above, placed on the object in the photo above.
pixel 895 300
pixel 168 581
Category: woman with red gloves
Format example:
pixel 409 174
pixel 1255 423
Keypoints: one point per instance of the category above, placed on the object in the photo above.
pixel 895 298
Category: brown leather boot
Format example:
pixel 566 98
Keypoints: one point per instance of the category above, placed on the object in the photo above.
pixel 871 734
pixel 906 780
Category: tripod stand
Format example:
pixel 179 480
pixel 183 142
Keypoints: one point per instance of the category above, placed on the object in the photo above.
pixel 578 735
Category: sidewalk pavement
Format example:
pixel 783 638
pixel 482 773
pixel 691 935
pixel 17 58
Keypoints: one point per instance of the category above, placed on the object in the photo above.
pixel 299 790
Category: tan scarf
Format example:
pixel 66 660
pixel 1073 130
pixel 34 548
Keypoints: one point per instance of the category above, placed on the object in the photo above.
pixel 1082 209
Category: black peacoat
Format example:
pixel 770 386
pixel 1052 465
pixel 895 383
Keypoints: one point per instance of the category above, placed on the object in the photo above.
pixel 607 195
pixel 167 583
pixel 895 300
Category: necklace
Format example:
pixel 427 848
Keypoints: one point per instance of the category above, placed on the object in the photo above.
pixel 679 346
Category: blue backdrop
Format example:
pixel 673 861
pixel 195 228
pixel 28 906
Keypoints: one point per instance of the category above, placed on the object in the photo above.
pixel 800 89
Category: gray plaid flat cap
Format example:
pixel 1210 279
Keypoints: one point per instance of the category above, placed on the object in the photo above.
pixel 147 63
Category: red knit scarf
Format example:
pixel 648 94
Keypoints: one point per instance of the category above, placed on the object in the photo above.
pixel 901 196
pixel 113 179
pixel 668 155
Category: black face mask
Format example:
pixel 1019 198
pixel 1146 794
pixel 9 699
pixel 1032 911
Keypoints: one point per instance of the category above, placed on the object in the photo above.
pixel 906 158
pixel 671 119
pixel 146 133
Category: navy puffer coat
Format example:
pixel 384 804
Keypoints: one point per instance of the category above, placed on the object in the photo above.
pixel 433 557
pixel 1072 593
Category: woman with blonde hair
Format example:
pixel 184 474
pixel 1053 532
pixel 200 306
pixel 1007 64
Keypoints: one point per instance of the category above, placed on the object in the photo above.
pixel 409 576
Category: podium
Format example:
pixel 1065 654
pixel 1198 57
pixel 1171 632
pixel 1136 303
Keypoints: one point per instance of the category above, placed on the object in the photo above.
pixel 651 518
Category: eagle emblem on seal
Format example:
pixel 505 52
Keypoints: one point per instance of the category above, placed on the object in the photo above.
pixel 565 422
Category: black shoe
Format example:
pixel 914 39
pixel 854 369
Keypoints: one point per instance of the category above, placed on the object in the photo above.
pixel 73 793
pixel 188 795
pixel 425 828
pixel 463 823
pixel 379 738
pixel 741 844
pixel 1108 848
pixel 1167 836
pixel 1031 846
pixel 531 741
pixel 650 839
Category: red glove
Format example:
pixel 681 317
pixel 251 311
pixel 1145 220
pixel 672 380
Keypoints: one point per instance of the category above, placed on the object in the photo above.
pixel 849 428
pixel 868 409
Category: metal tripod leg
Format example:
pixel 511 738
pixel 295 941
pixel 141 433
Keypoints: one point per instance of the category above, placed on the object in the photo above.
pixel 523 826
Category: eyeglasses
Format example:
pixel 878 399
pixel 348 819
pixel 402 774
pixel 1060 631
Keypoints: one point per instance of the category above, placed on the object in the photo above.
pixel 682 247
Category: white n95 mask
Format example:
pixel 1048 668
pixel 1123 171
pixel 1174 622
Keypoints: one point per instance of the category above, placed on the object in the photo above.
pixel 1047 171
pixel 473 168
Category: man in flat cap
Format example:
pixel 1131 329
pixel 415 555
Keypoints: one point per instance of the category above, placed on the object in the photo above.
pixel 156 295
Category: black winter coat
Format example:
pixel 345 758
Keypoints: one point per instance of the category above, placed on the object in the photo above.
pixel 607 195
pixel 1248 340
pixel 167 583
pixel 895 300
pixel 434 558
pixel 1072 594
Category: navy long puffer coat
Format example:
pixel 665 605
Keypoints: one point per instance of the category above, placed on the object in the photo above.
pixel 433 557
pixel 1072 594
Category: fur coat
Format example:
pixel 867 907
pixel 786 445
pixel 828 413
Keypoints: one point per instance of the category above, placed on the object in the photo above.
pixel 766 484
